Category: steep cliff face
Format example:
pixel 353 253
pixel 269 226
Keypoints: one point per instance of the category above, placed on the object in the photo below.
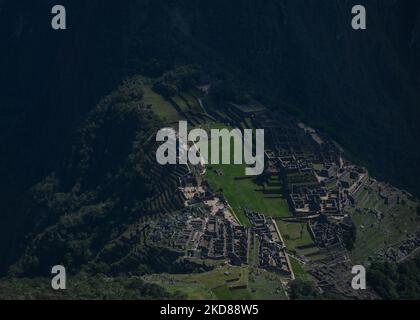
pixel 48 82
pixel 362 87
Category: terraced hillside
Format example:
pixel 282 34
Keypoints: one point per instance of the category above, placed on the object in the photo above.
pixel 224 283
pixel 85 213
pixel 385 216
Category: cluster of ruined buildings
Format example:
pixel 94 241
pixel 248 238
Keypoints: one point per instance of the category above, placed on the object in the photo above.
pixel 391 195
pixel 335 278
pixel 314 176
pixel 198 233
pixel 318 182
pixel 319 185
pixel 329 237
pixel 219 239
pixel 271 250
pixel 207 229
pixel 316 179
pixel 402 250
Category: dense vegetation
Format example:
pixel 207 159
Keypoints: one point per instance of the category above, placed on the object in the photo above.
pixel 80 213
pixel 84 287
pixel 395 281
pixel 303 290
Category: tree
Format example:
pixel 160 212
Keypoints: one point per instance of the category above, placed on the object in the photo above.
pixel 303 290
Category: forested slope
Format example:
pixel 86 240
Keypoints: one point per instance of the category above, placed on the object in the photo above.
pixel 361 87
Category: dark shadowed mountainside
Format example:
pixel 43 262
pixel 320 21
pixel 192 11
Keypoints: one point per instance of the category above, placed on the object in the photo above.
pixel 302 55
